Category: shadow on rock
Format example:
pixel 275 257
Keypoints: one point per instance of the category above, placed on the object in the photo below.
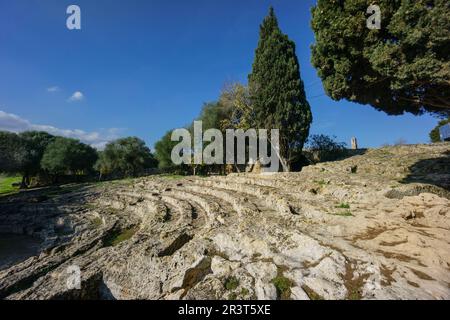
pixel 435 171
pixel 38 220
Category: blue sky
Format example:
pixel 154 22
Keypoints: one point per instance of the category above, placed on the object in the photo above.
pixel 142 67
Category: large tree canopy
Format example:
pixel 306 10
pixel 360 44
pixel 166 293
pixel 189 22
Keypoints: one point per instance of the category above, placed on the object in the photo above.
pixel 12 152
pixel 403 67
pixel 35 143
pixel 276 91
pixel 68 156
pixel 213 114
pixel 226 113
pixel 235 98
pixel 126 157
pixel 163 150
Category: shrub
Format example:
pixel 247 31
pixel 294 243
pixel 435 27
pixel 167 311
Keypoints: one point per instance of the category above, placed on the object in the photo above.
pixel 325 148
pixel 283 286
pixel 434 134
pixel 231 283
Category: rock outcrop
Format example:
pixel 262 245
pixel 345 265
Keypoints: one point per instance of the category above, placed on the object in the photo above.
pixel 373 226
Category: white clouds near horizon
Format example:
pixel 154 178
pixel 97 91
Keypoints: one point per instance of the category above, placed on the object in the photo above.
pixel 97 139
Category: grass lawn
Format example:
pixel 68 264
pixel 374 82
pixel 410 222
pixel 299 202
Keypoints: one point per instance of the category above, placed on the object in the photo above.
pixel 120 236
pixel 5 184
pixel 171 176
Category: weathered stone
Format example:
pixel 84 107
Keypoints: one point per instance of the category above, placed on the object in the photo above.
pixel 321 233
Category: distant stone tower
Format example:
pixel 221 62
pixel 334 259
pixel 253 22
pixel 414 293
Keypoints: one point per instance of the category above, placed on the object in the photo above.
pixel 354 143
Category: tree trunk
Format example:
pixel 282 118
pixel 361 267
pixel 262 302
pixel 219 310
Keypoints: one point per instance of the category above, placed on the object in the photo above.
pixel 284 163
pixel 23 184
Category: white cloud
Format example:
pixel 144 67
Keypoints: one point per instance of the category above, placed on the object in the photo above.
pixel 53 89
pixel 14 123
pixel 77 96
pixel 100 145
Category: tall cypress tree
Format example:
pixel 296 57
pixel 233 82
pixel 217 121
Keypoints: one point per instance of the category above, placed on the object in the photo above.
pixel 277 91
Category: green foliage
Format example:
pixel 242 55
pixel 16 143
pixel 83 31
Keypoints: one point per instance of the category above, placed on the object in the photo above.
pixel 213 114
pixel 232 296
pixel 35 144
pixel 311 293
pixel 326 148
pixel 125 157
pixel 6 183
pixel 163 150
pixel 276 91
pixel 321 182
pixel 12 152
pixel 119 236
pixel 35 153
pixel 172 176
pixel 22 153
pixel 231 283
pixel 343 206
pixel 239 113
pixel 346 213
pixel 68 156
pixel 403 67
pixel 435 135
pixel 283 286
pixel 244 292
pixel 97 222
pixel 275 99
